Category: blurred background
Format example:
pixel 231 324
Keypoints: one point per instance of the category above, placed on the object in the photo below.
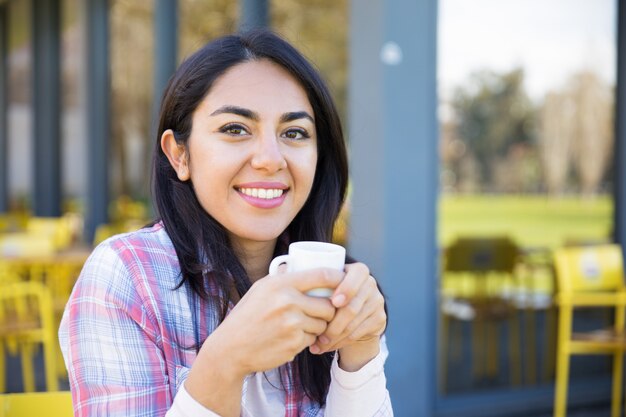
pixel 517 104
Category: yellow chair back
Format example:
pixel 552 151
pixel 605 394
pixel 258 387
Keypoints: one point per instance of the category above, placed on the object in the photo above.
pixel 27 317
pixel 589 277
pixel 482 254
pixel 589 269
pixel 49 404
pixel 58 228
pixel 26 245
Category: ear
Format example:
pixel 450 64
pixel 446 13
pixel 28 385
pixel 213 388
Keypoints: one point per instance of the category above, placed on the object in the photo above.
pixel 176 154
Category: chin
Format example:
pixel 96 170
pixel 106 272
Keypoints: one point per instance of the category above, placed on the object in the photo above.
pixel 256 234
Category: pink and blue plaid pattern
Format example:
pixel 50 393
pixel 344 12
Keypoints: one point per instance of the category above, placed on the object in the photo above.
pixel 127 333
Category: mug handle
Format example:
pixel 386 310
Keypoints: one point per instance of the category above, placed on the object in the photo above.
pixel 276 262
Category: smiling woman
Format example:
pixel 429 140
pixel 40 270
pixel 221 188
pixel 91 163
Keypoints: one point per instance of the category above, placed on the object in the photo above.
pixel 180 318
pixel 253 131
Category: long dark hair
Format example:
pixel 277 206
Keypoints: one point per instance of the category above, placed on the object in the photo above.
pixel 202 245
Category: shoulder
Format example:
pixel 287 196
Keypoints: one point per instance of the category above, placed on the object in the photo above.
pixel 150 245
pixel 133 262
pixel 151 242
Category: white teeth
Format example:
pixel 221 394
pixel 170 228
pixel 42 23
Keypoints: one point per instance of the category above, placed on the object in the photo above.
pixel 264 193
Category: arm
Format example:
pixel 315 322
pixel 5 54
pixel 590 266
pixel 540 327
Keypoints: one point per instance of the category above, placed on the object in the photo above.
pixel 357 374
pixel 258 336
pixel 359 393
pixel 111 347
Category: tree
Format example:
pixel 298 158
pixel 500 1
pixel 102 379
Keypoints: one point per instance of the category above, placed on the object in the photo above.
pixel 555 140
pixel 493 113
pixel 593 134
pixel 576 132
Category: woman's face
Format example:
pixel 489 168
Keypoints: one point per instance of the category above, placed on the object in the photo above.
pixel 252 152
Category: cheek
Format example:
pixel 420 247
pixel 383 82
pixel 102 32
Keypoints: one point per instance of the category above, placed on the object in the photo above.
pixel 307 171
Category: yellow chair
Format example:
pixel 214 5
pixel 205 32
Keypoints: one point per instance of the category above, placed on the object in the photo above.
pixel 477 275
pixel 26 245
pixel 49 404
pixel 535 294
pixel 27 320
pixel 106 230
pixel 124 208
pixel 58 228
pixel 13 221
pixel 56 271
pixel 589 277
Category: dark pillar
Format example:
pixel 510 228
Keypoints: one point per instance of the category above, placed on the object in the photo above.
pixel 393 138
pixel 166 49
pixel 253 14
pixel 98 114
pixel 620 129
pixel 46 107
pixel 4 99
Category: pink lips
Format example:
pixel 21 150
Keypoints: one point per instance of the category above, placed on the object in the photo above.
pixel 264 203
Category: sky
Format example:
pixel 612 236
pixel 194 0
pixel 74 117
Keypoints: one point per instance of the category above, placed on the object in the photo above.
pixel 550 39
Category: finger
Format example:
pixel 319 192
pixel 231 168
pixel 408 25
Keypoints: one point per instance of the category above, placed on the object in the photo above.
pixel 345 315
pixel 373 326
pixel 330 341
pixel 305 281
pixel 369 308
pixel 334 344
pixel 356 275
pixel 347 337
pixel 374 311
pixel 314 327
pixel 320 308
pixel 308 339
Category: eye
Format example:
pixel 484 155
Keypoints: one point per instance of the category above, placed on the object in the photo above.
pixel 234 129
pixel 296 134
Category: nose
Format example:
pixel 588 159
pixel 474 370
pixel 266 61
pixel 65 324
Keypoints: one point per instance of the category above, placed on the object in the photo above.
pixel 267 154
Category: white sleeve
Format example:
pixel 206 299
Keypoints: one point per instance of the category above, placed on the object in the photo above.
pixel 185 406
pixel 362 393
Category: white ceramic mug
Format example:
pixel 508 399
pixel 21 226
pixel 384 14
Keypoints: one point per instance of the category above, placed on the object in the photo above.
pixel 310 255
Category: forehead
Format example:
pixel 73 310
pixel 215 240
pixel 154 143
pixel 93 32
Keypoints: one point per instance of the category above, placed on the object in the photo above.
pixel 258 85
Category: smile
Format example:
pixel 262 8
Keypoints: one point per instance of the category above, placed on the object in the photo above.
pixel 265 193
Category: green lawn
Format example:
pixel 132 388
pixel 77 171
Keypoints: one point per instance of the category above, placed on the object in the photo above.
pixel 529 220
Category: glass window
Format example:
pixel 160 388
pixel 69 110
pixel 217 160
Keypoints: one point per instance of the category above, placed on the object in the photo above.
pixel 526 114
pixel 19 106
pixel 74 113
pixel 132 64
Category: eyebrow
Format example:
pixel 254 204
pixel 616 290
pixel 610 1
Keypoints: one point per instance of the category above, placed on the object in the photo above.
pixel 249 114
pixel 291 116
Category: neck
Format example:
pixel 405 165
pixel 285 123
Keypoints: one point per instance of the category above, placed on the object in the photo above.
pixel 255 257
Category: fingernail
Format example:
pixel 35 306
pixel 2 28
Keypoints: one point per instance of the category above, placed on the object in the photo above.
pixel 338 300
pixel 314 349
pixel 324 340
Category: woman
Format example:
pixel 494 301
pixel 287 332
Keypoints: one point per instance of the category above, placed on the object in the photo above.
pixel 180 318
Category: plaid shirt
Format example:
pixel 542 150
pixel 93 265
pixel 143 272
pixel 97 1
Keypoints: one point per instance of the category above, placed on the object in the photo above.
pixel 128 336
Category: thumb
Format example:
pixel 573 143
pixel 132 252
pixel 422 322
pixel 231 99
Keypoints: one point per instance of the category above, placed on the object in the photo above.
pixel 314 278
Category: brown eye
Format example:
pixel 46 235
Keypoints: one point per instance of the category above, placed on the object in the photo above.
pixel 234 129
pixel 296 134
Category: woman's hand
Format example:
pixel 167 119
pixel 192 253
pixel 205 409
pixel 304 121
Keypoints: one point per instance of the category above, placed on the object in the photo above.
pixel 275 320
pixel 269 326
pixel 359 321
